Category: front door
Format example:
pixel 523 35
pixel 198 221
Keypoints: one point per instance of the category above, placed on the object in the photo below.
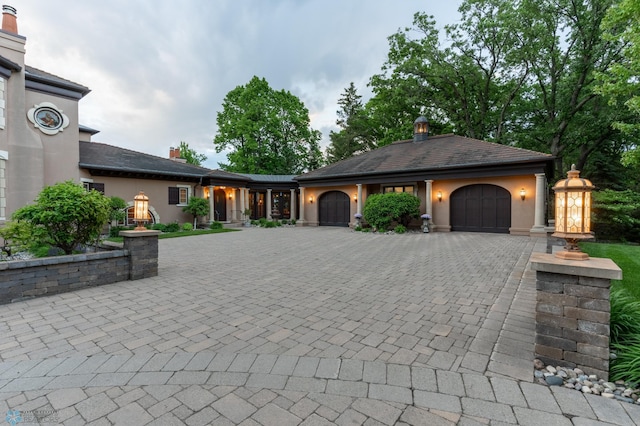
pixel 219 205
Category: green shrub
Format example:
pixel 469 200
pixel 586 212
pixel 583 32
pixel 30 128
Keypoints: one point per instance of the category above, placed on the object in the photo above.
pixel 400 229
pixel 626 365
pixel 616 215
pixel 65 215
pixel 293 221
pixel 262 221
pixel 380 210
pixel 255 222
pixel 215 225
pixel 157 227
pixel 269 224
pixel 16 236
pixel 358 228
pixel 172 227
pixel 115 230
pixel 625 335
pixel 187 227
pixel 285 222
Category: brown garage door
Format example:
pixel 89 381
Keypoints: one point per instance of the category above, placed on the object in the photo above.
pixel 334 209
pixel 481 208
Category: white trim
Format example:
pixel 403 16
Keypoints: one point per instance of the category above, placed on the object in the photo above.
pixel 4 155
pixel 188 188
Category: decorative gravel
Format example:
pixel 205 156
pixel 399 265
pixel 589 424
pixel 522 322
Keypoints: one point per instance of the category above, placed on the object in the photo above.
pixel 575 378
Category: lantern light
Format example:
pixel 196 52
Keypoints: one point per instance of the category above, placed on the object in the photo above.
pixel 523 194
pixel 140 211
pixel 439 196
pixel 573 214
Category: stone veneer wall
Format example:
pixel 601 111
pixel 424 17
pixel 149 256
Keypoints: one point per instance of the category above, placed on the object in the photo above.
pixel 20 280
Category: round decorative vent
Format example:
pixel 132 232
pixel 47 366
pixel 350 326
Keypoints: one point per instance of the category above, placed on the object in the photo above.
pixel 48 118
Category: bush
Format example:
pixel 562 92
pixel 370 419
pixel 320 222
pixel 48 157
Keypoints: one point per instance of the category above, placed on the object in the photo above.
pixel 269 224
pixel 215 225
pixel 380 210
pixel 197 207
pixel 625 335
pixel 172 227
pixel 293 221
pixel 66 215
pixel 158 227
pixel 187 227
pixel 16 237
pixel 400 229
pixel 616 215
pixel 115 230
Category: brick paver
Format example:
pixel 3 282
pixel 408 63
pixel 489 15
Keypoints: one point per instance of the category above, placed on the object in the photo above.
pixel 296 326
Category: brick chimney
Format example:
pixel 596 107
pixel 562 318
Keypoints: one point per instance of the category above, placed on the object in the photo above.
pixel 174 154
pixel 9 21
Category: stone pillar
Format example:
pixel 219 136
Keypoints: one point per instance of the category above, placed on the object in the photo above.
pixel 212 212
pixel 292 203
pixel 572 312
pixel 269 204
pixel 538 225
pixel 142 247
pixel 428 191
pixel 4 156
pixel 359 203
pixel 302 201
pixel 242 204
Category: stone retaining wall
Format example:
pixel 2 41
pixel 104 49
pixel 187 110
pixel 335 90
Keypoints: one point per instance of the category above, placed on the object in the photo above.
pixel 26 279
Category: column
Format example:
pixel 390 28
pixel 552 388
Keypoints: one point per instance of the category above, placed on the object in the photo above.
pixel 269 204
pixel 212 211
pixel 429 190
pixel 573 312
pixel 302 201
pixel 359 203
pixel 4 156
pixel 538 225
pixel 242 204
pixel 143 253
pixel 292 203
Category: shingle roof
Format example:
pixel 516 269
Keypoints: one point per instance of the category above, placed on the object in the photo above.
pixel 103 157
pixel 38 79
pixel 438 153
pixel 269 178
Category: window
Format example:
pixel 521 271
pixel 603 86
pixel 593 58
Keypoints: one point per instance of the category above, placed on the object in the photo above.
pixel 179 195
pixel 97 186
pixel 405 188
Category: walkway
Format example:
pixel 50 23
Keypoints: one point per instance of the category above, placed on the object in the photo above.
pixel 297 326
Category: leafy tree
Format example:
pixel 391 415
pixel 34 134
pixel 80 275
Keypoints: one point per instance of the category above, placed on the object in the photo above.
pixel 354 135
pixel 197 207
pixel 616 215
pixel 117 209
pixel 191 155
pixel 267 131
pixel 380 210
pixel 16 236
pixel 65 215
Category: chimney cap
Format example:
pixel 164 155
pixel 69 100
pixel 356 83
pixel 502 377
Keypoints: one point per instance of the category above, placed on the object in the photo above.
pixel 9 21
pixel 8 9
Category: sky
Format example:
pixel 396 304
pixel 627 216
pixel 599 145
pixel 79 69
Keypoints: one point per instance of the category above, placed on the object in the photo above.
pixel 159 70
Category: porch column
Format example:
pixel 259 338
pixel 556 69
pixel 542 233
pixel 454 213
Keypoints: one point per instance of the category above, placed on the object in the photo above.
pixel 428 206
pixel 292 204
pixel 212 212
pixel 538 225
pixel 269 204
pixel 302 201
pixel 242 205
pixel 359 203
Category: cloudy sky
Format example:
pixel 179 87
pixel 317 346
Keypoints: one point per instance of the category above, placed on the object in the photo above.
pixel 159 70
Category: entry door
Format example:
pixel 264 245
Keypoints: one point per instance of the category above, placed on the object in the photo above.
pixel 481 208
pixel 220 205
pixel 334 209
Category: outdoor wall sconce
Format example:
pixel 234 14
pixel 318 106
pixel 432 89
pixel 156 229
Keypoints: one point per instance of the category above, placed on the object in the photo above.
pixel 523 194
pixel 140 210
pixel 311 199
pixel 355 197
pixel 230 196
pixel 439 196
pixel 573 214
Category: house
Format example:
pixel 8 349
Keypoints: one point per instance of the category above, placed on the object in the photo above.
pixel 464 184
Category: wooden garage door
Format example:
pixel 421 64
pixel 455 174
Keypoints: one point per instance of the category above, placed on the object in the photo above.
pixel 334 209
pixel 481 208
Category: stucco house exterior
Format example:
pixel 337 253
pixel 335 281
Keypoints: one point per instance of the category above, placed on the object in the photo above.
pixel 464 184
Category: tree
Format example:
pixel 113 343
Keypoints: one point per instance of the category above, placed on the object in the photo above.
pixel 267 131
pixel 67 215
pixel 380 210
pixel 197 207
pixel 191 155
pixel 354 136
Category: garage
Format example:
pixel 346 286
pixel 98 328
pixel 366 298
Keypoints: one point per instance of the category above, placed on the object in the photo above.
pixel 334 209
pixel 481 208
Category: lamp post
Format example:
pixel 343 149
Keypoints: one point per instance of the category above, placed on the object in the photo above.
pixel 140 210
pixel 573 214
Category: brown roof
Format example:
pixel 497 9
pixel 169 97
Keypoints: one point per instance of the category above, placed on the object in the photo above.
pixel 435 155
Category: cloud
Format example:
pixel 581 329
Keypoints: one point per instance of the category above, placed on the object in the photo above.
pixel 159 70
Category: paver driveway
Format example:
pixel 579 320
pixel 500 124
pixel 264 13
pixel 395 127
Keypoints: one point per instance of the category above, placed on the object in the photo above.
pixel 296 326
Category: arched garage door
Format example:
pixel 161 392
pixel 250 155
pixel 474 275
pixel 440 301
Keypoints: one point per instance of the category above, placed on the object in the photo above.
pixel 481 208
pixel 334 209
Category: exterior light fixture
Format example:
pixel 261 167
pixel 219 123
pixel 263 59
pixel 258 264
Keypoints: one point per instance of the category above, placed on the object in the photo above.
pixel 231 196
pixel 523 194
pixel 439 196
pixel 573 214
pixel 311 199
pixel 420 129
pixel 140 210
pixel 355 197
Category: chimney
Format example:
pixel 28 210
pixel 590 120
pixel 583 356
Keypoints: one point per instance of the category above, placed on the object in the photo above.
pixel 9 21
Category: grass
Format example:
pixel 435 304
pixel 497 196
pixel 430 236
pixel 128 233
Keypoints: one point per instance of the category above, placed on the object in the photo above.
pixel 625 309
pixel 178 234
pixel 626 256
